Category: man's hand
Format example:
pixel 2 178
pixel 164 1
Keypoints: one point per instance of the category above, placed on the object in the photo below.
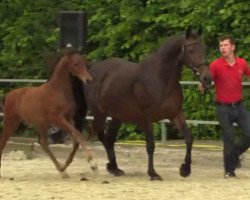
pixel 201 88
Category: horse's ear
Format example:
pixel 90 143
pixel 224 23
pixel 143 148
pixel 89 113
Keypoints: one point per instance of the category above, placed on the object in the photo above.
pixel 200 31
pixel 188 31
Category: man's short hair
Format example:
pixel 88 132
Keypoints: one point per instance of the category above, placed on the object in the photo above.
pixel 227 37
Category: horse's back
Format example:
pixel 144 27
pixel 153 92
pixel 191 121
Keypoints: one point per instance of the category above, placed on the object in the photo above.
pixel 99 69
pixel 112 72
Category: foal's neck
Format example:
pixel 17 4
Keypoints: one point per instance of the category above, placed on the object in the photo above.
pixel 61 77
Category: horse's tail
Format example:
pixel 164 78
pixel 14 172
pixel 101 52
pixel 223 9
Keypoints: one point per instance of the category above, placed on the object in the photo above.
pixel 80 102
pixel 2 103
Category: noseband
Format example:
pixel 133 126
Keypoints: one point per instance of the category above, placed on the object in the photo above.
pixel 195 68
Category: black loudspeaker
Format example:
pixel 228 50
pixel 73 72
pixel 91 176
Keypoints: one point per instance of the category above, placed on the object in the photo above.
pixel 73 29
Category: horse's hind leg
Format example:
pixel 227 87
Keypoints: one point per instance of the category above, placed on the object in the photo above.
pixel 110 140
pixel 10 125
pixel 179 121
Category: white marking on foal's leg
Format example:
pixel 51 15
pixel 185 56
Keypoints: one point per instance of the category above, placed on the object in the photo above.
pixel 92 163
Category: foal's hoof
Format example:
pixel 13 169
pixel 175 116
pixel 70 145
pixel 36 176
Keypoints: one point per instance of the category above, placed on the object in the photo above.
pixel 115 170
pixel 94 168
pixel 64 175
pixel 93 165
pixel 185 170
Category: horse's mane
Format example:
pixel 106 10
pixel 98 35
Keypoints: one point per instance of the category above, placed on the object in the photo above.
pixel 171 45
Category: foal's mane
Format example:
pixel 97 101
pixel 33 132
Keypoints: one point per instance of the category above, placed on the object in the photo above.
pixel 77 87
pixel 54 58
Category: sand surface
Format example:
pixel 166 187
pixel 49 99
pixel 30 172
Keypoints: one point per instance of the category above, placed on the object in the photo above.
pixel 33 176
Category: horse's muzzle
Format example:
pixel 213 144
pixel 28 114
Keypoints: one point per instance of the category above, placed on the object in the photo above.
pixel 206 82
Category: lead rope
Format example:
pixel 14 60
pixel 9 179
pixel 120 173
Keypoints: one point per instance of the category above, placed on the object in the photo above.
pixel 203 99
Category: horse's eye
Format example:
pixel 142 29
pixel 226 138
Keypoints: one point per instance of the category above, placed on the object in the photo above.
pixel 190 50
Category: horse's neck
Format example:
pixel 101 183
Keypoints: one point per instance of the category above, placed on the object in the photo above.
pixel 171 65
pixel 61 78
pixel 163 68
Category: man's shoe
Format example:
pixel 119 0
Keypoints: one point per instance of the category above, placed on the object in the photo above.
pixel 229 175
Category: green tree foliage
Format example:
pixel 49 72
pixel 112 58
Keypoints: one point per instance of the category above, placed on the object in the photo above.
pixel 130 29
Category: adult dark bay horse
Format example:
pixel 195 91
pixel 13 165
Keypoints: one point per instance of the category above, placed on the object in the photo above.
pixel 145 93
pixel 52 103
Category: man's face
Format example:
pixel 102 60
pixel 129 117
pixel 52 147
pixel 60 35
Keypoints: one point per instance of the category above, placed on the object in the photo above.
pixel 226 48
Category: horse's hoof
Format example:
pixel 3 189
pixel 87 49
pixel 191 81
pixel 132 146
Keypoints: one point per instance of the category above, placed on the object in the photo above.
pixel 185 170
pixel 156 178
pixel 114 170
pixel 117 172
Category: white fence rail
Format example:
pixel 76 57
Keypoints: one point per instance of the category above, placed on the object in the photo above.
pixel 163 127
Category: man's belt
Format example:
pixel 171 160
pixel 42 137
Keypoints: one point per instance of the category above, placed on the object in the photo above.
pixel 234 104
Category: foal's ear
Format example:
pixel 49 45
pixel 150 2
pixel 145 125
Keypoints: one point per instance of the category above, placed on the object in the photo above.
pixel 188 32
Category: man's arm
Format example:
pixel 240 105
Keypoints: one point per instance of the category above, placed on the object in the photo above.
pixel 247 70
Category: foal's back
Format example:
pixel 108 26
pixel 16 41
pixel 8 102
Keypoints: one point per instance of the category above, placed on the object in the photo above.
pixel 35 105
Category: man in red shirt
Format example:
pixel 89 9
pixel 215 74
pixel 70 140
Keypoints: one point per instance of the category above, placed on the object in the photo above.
pixel 227 72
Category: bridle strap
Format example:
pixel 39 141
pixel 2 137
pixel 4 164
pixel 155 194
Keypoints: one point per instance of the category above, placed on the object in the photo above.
pixel 188 44
pixel 195 69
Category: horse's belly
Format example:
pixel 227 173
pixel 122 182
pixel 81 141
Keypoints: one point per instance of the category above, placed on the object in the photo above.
pixel 125 111
pixel 168 110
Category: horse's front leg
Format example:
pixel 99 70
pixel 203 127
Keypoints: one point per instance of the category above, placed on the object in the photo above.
pixel 110 140
pixel 150 146
pixel 180 123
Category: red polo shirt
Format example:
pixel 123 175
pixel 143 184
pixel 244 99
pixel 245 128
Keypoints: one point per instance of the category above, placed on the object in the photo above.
pixel 227 79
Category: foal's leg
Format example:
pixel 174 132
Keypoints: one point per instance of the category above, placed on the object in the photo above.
pixel 77 136
pixel 180 123
pixel 71 155
pixel 150 146
pixel 10 125
pixel 110 140
pixel 44 143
